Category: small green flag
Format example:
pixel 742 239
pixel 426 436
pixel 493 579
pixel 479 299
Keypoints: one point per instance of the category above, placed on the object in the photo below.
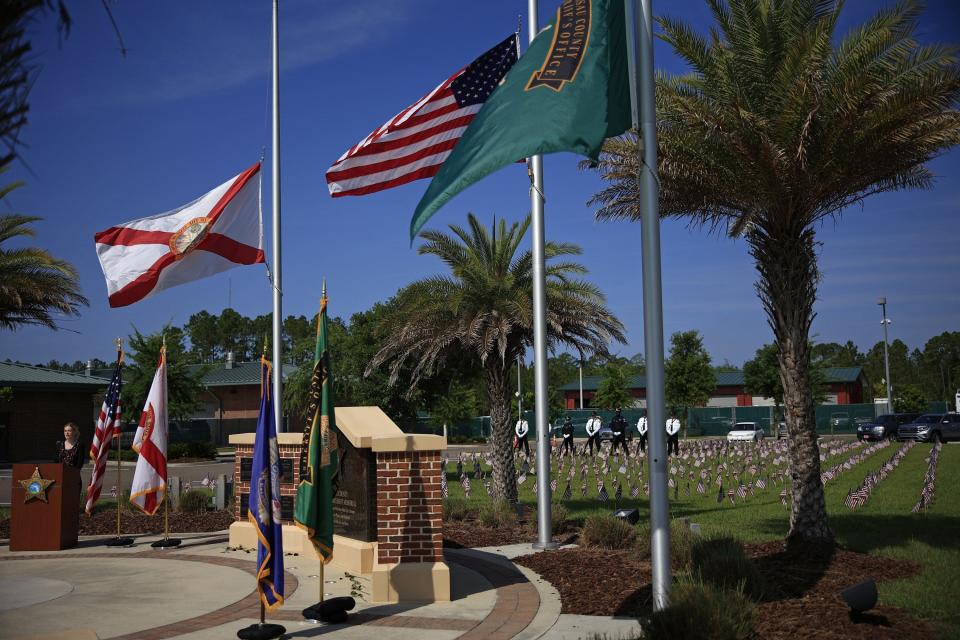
pixel 319 457
pixel 569 92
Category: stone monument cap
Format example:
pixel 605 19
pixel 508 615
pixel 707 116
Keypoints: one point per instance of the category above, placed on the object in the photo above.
pixel 365 428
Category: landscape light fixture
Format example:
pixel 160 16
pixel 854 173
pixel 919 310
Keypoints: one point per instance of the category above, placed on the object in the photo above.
pixel 860 597
pixel 627 515
pixel 886 352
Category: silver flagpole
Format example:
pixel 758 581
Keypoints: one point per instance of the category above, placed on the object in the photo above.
pixel 275 188
pixel 640 37
pixel 544 533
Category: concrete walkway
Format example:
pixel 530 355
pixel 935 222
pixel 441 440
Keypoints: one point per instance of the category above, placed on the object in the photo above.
pixel 203 590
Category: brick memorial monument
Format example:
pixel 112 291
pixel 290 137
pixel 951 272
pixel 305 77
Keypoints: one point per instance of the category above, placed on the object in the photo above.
pixel 387 513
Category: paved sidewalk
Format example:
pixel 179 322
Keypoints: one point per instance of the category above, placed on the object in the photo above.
pixel 203 591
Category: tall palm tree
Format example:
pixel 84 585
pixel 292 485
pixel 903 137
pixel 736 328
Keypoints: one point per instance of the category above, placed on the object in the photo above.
pixel 33 284
pixel 483 310
pixel 779 125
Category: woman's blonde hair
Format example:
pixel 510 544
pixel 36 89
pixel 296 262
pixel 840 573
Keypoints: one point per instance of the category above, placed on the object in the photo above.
pixel 74 425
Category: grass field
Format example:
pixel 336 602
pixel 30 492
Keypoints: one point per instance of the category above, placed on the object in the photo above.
pixel 883 526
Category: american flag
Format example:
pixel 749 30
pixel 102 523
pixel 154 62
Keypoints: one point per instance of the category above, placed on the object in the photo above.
pixel 444 490
pixel 108 426
pixel 567 492
pixel 783 497
pixel 619 494
pixel 700 487
pixel 465 483
pixel 720 494
pixel 415 143
pixel 553 485
pixel 730 495
pixel 634 491
pixel 583 489
pixel 602 494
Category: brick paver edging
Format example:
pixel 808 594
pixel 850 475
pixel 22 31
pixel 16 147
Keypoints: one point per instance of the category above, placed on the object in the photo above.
pixel 516 606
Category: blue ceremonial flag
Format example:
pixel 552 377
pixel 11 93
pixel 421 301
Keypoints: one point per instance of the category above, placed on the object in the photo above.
pixel 264 506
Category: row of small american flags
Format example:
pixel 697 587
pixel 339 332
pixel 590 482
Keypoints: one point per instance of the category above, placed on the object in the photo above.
pixel 929 480
pixel 857 497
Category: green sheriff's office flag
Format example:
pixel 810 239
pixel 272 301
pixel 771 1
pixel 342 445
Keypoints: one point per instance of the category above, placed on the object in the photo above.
pixel 319 458
pixel 568 92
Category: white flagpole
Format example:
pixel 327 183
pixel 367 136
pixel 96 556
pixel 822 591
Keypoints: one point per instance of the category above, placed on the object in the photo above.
pixel 275 188
pixel 544 533
pixel 640 40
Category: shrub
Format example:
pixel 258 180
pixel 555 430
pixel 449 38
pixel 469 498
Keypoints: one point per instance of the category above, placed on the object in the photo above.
pixel 176 450
pixel 203 450
pixel 700 611
pixel 723 563
pixel 498 513
pixel 559 518
pixel 455 509
pixel 193 501
pixel 681 540
pixel 608 532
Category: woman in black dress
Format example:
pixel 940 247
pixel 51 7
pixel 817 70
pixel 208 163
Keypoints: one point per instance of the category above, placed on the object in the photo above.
pixel 69 451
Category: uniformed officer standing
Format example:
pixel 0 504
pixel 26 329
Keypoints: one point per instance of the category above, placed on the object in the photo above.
pixel 522 430
pixel 642 430
pixel 673 435
pixel 593 430
pixel 619 427
pixel 567 432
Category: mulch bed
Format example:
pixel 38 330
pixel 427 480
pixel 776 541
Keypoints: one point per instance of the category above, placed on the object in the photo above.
pixel 105 523
pixel 470 534
pixel 807 582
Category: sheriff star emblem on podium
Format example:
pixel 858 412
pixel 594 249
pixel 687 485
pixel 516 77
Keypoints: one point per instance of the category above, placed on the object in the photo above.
pixel 35 486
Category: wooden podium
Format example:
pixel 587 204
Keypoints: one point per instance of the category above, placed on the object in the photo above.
pixel 38 525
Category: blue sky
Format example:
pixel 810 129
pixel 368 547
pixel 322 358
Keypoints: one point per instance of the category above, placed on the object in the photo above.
pixel 111 139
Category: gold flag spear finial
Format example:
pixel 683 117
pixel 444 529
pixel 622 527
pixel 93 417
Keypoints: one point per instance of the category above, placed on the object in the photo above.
pixel 323 294
pixel 119 343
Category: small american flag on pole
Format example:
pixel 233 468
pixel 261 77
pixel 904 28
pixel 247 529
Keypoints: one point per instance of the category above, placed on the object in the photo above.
pixel 108 426
pixel 414 143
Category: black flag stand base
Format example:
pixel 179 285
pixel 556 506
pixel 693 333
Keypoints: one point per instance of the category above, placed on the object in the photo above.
pixel 332 611
pixel 261 630
pixel 119 542
pixel 166 543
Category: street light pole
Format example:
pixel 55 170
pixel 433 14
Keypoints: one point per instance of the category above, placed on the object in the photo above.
pixel 886 352
pixel 581 384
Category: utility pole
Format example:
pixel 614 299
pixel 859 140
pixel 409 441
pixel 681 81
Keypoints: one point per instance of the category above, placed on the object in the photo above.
pixel 886 352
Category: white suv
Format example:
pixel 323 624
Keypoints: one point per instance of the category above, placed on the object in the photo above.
pixel 745 432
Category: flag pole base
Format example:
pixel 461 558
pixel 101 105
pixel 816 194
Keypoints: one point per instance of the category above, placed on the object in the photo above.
pixel 261 631
pixel 166 543
pixel 119 542
pixel 332 611
pixel 541 546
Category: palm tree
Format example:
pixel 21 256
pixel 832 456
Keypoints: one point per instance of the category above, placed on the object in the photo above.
pixel 779 126
pixel 33 284
pixel 483 311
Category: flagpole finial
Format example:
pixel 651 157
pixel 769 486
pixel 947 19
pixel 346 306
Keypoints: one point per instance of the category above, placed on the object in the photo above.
pixel 324 292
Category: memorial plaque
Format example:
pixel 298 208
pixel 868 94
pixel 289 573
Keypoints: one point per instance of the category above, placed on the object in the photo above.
pixel 287 504
pixel 286 469
pixel 286 507
pixel 246 469
pixel 355 501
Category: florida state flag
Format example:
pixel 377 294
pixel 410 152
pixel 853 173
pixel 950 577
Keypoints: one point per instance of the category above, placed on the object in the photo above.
pixel 150 479
pixel 215 232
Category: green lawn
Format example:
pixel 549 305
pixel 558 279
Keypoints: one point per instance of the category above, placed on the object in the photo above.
pixel 883 526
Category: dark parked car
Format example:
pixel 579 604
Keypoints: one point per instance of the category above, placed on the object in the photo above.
pixel 932 427
pixel 884 426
